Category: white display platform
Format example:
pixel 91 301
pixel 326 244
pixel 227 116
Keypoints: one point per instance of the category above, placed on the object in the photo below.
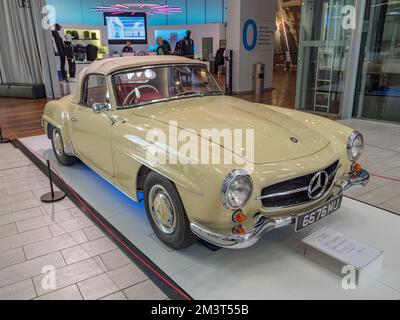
pixel 275 268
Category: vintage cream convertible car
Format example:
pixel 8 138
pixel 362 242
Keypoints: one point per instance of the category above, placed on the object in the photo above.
pixel 298 172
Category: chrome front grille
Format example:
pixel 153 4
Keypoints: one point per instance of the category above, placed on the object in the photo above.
pixel 294 192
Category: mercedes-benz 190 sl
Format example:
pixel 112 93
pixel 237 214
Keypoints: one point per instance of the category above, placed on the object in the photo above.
pixel 206 165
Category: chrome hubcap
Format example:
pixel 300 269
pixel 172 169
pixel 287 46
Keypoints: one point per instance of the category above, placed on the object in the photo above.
pixel 57 142
pixel 162 209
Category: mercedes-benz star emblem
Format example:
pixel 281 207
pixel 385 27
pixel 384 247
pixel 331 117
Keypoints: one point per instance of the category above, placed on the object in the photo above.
pixel 318 185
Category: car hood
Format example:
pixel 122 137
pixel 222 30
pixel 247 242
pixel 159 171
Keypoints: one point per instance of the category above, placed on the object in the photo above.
pixel 275 134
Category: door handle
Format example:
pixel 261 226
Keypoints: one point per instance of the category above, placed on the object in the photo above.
pixel 73 119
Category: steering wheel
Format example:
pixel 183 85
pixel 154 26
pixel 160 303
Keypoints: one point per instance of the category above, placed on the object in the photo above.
pixel 130 95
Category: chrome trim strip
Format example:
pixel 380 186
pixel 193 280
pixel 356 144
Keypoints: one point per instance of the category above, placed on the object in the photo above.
pixel 300 204
pixel 161 65
pixel 259 199
pixel 280 194
pixel 336 171
pixel 295 190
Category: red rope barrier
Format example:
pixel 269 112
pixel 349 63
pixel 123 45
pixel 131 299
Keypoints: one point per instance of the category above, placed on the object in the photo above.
pixel 386 178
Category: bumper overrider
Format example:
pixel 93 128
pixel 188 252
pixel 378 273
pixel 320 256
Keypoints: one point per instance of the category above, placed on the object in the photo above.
pixel 262 224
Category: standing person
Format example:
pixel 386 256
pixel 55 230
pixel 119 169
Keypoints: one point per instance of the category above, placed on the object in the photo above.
pixel 91 52
pixel 162 49
pixel 188 45
pixel 128 48
pixel 179 48
pixel 167 46
pixel 60 48
pixel 69 53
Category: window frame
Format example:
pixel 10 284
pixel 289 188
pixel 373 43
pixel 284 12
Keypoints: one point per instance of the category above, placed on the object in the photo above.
pixel 118 107
pixel 85 87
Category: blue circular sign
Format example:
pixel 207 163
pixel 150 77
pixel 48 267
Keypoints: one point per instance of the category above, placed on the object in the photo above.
pixel 250 23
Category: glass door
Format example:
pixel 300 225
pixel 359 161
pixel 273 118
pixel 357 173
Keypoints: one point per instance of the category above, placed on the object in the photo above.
pixel 378 96
pixel 323 52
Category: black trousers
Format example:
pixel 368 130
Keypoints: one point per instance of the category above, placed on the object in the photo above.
pixel 63 71
pixel 71 67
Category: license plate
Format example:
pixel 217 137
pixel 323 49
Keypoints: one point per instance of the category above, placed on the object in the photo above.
pixel 306 220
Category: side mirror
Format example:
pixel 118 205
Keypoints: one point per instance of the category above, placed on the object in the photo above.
pixel 99 107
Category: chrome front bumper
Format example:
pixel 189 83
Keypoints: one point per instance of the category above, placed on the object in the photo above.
pixel 262 224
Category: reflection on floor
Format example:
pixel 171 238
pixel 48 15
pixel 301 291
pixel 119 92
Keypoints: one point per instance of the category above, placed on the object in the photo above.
pixel 22 116
pixel 382 160
pixel 275 268
pixel 32 235
pixel 283 92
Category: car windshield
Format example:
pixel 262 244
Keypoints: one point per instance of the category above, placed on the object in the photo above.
pixel 138 87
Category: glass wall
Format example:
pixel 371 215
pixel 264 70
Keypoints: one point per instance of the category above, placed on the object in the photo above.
pixel 378 95
pixel 323 51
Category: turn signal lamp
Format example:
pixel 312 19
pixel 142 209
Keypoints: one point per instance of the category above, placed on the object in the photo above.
pixel 239 231
pixel 357 168
pixel 239 217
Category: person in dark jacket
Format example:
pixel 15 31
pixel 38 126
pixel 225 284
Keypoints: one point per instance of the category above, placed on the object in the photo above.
pixel 60 48
pixel 167 45
pixel 69 53
pixel 179 48
pixel 162 49
pixel 188 45
pixel 128 48
pixel 91 52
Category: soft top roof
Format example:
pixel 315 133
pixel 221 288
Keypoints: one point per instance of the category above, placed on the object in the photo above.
pixel 108 66
pixel 112 65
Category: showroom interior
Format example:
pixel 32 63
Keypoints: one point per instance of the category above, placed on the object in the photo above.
pixel 298 73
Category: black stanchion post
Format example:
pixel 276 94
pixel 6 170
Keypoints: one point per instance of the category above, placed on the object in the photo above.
pixel 52 196
pixel 3 140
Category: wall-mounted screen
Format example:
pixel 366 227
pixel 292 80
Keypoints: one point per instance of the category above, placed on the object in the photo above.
pixel 126 27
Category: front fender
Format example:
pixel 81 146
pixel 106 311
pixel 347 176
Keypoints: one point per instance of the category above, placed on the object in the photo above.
pixel 58 114
pixel 198 184
pixel 337 133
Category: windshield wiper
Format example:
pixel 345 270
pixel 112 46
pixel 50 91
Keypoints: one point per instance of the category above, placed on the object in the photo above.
pixel 212 93
pixel 188 93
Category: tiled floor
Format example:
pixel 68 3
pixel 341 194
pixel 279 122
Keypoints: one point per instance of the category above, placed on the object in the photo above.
pixel 382 160
pixel 33 235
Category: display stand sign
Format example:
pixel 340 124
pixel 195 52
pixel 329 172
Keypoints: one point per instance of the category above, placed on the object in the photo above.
pixel 335 251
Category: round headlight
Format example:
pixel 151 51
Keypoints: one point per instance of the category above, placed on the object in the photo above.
pixel 355 146
pixel 236 189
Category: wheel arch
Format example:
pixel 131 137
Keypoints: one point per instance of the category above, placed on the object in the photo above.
pixel 141 176
pixel 57 114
